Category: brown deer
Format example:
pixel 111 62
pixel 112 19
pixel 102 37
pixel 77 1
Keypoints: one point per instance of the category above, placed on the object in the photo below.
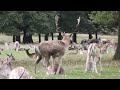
pixel 31 55
pixel 50 71
pixel 7 72
pixel 54 48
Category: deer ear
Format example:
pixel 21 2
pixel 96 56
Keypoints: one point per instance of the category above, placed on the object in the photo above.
pixel 63 33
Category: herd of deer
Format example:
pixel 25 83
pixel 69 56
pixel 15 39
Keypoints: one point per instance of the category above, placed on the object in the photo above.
pixel 55 49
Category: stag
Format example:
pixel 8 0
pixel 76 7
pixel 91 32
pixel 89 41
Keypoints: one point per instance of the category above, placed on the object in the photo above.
pixel 54 49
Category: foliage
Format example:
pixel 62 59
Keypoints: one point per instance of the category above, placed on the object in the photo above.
pixel 105 20
pixel 33 21
pixel 69 21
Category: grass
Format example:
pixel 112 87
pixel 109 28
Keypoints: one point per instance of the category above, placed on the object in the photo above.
pixel 72 64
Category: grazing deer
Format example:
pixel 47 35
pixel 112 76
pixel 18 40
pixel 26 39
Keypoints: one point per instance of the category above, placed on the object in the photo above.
pixel 55 49
pixel 113 44
pixel 9 45
pixel 93 55
pixel 50 71
pixel 73 53
pixel 17 45
pixel 31 55
pixel 82 51
pixel 7 72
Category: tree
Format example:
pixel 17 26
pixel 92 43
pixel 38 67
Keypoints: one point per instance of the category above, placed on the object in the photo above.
pixel 69 21
pixel 117 52
pixel 104 21
pixel 9 24
pixel 108 20
pixel 28 22
pixel 44 23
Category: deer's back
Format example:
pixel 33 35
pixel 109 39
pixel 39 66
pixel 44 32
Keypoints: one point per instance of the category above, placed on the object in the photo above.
pixel 52 48
pixel 19 73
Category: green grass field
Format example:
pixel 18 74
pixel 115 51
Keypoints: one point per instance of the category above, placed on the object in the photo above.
pixel 73 64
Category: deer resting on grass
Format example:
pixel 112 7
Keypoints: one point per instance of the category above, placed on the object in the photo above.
pixel 7 72
pixel 54 48
pixel 50 71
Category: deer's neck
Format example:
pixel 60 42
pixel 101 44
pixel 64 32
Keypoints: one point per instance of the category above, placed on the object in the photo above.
pixel 29 54
pixel 67 42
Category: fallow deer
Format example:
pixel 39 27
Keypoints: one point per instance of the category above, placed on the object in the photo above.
pixel 54 48
pixel 93 56
pixel 50 71
pixel 7 72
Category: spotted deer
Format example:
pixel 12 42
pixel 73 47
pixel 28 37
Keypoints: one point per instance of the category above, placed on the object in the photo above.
pixel 54 49
pixel 93 56
pixel 50 71
pixel 17 46
pixel 7 72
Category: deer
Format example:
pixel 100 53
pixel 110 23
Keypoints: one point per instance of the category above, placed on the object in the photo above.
pixel 20 73
pixel 7 72
pixel 9 45
pixel 50 71
pixel 5 65
pixel 17 46
pixel 54 49
pixel 93 56
pixel 31 55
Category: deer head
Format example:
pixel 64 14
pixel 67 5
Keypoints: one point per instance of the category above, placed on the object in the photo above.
pixel 67 38
pixel 10 57
pixel 26 49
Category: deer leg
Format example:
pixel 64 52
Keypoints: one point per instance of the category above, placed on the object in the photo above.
pixel 92 64
pixel 95 67
pixel 87 61
pixel 100 64
pixel 53 64
pixel 60 65
pixel 47 61
pixel 37 61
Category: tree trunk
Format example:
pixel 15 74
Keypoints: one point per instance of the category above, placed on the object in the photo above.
pixel 46 36
pixel 90 36
pixel 24 37
pixel 30 40
pixel 18 38
pixel 59 36
pixel 39 37
pixel 27 38
pixel 14 39
pixel 117 52
pixel 52 36
pixel 96 35
pixel 74 37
